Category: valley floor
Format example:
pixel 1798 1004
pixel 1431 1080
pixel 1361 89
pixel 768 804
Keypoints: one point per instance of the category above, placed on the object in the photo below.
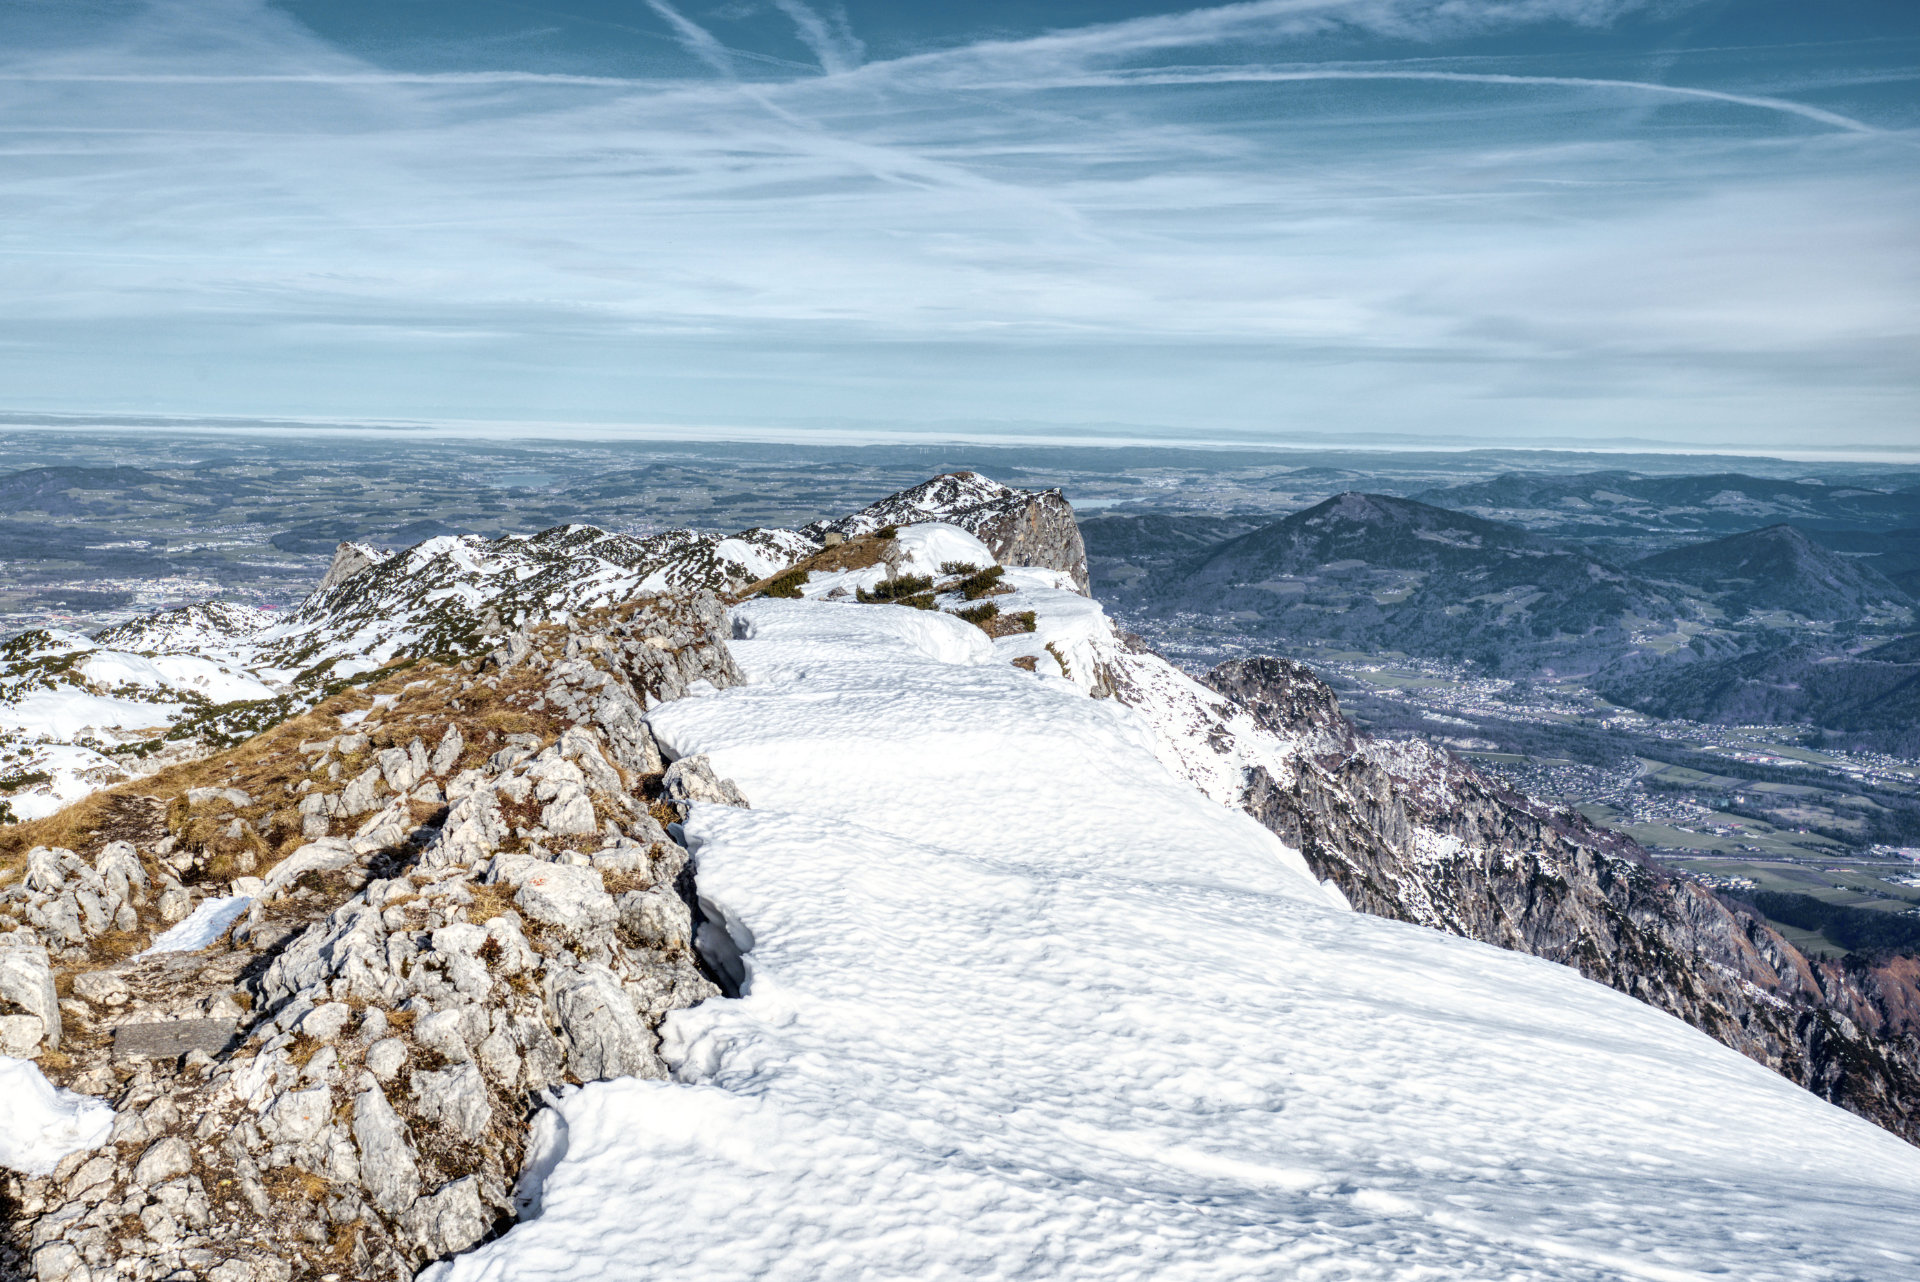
pixel 1021 1004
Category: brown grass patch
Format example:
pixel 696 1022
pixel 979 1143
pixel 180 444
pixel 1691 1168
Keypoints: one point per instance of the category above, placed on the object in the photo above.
pixel 488 902
pixel 1027 662
pixel 855 554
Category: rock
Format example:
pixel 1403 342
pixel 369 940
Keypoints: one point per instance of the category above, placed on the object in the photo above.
pixel 26 981
pixel 448 753
pixel 211 796
pixel 656 919
pixel 570 814
pixel 297 1116
pixel 251 1269
pixel 171 1039
pixel 692 779
pixel 397 768
pixel 349 560
pixel 101 987
pixel 567 896
pixel 176 904
pixel 21 1035
pixel 327 1021
pixel 118 864
pixel 164 1159
pixel 451 1220
pixel 60 1262
pixel 43 870
pixel 386 1057
pixel 387 1168
pixel 362 795
pixel 443 1033
pixel 455 1098
pixel 604 1032
pixel 327 854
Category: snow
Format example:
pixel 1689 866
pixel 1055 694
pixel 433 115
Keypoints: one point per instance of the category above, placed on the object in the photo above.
pixel 202 676
pixel 202 926
pixel 1022 1002
pixel 66 712
pixel 926 547
pixel 41 1123
pixel 72 772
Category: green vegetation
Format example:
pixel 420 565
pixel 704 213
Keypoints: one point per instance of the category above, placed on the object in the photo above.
pixel 1858 930
pixel 786 585
pixel 980 583
pixel 978 614
pixel 959 569
pixel 900 589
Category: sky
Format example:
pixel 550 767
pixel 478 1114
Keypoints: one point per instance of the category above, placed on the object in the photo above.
pixel 1508 222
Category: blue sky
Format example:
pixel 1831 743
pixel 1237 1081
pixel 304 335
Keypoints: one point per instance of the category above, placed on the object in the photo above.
pixel 1522 222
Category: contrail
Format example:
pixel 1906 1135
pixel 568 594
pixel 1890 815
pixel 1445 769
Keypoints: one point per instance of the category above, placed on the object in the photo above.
pixel 1157 77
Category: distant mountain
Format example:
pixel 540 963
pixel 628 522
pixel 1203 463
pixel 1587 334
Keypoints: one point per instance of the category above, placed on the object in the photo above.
pixel 1396 573
pixel 1894 553
pixel 1726 501
pixel 52 489
pixel 1868 701
pixel 1777 568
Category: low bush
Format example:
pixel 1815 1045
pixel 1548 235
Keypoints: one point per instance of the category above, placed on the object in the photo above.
pixel 786 585
pixel 911 585
pixel 977 585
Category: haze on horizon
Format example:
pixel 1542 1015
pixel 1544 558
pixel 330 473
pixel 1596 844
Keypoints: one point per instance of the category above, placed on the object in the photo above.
pixel 1511 222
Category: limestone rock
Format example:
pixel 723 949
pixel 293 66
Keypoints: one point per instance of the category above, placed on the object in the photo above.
pixel 26 981
pixel 387 1169
pixel 164 1159
pixel 692 779
pixel 567 896
pixel 454 1218
pixel 605 1034
pixel 455 1098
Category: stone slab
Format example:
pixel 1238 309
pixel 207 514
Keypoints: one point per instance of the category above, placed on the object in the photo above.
pixel 171 1039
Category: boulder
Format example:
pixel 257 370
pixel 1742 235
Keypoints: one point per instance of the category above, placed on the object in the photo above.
pixel 387 1169
pixel 26 982
pixel 455 1099
pixel 565 895
pixel 454 1218
pixel 692 779
pixel 604 1032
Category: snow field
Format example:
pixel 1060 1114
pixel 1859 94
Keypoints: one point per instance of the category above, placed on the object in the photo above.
pixel 40 1123
pixel 1024 1004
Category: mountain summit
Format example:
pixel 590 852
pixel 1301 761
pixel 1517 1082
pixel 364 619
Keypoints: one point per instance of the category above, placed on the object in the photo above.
pixel 1777 568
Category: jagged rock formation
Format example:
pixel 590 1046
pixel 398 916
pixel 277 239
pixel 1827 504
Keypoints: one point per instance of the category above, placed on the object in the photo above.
pixel 1022 527
pixel 1411 832
pixel 461 896
pixel 348 560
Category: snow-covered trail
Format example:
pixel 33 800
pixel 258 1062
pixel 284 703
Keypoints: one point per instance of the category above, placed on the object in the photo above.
pixel 1023 1005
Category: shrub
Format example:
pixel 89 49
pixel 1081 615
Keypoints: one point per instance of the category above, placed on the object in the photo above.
pixel 896 589
pixel 959 569
pixel 979 584
pixel 978 614
pixel 786 585
pixel 886 532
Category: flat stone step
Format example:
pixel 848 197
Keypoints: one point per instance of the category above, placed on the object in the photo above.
pixel 171 1038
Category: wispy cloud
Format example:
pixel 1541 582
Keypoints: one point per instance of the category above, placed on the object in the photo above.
pixel 1169 219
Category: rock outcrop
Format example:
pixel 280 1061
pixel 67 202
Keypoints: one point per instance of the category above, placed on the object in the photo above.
pixel 459 901
pixel 1410 832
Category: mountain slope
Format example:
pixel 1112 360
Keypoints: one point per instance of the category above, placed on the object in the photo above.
pixel 1018 1004
pixel 1777 568
pixel 1393 573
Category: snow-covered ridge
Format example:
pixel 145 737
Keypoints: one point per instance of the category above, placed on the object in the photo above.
pixel 186 679
pixel 1020 1002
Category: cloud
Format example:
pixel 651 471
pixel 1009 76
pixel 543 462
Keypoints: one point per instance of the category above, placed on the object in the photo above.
pixel 1151 219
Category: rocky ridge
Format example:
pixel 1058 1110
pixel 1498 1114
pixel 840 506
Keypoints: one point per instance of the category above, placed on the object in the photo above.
pixel 446 596
pixel 466 894
pixel 1408 831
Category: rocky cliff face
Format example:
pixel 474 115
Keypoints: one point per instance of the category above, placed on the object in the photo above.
pixel 461 894
pixel 1410 832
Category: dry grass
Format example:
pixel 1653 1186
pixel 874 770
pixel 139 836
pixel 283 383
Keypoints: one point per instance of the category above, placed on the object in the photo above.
pixel 488 902
pixel 854 554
